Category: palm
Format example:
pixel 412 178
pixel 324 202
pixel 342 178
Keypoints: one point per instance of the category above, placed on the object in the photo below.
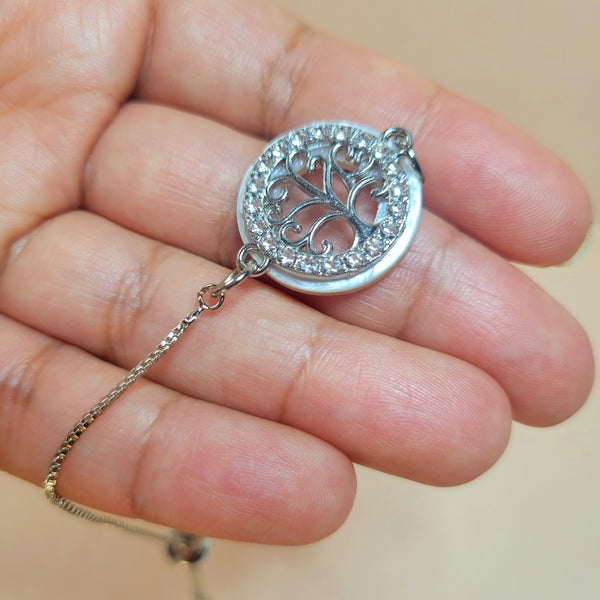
pixel 117 206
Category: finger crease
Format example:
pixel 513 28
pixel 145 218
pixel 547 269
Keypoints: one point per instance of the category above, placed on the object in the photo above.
pixel 298 379
pixel 425 122
pixel 136 502
pixel 227 238
pixel 427 275
pixel 282 81
pixel 148 53
pixel 18 384
pixel 133 295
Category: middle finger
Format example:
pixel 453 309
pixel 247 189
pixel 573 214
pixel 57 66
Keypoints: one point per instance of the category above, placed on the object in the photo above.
pixel 383 402
pixel 174 176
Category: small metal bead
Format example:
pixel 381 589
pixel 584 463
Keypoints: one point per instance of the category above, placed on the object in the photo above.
pixel 186 547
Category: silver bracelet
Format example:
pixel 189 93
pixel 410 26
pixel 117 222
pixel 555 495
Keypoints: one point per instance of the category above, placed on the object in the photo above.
pixel 327 208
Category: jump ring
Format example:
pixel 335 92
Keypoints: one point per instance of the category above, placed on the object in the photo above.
pixel 211 291
pixel 399 137
pixel 252 260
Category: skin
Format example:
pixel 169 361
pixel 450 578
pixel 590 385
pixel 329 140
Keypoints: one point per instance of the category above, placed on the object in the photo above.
pixel 125 130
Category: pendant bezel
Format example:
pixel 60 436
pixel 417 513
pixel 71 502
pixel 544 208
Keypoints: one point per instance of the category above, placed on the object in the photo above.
pixel 386 159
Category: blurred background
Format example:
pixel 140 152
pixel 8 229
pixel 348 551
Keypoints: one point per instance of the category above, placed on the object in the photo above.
pixel 530 527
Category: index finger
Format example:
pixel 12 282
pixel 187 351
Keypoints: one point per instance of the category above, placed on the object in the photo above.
pixel 257 68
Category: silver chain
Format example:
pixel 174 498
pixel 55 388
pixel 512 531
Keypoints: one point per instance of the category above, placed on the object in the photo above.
pixel 182 547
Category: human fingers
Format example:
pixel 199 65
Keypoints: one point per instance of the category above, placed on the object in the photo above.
pixel 383 402
pixel 255 67
pixel 65 68
pixel 173 176
pixel 162 456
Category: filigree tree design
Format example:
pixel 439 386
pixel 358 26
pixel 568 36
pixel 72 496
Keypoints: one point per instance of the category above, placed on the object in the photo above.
pixel 343 162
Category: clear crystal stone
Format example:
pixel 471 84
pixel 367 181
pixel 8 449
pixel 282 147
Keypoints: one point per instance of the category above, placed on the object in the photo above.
pixel 267 243
pixel 253 204
pixel 379 149
pixel 277 153
pixel 340 136
pixel 353 259
pixel 286 256
pixel 395 191
pixel 397 210
pixel 390 230
pixel 305 263
pixel 331 265
pixel 373 246
pixel 259 180
pixel 257 226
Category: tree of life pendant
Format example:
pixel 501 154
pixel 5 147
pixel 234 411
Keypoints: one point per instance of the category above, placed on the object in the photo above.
pixel 333 206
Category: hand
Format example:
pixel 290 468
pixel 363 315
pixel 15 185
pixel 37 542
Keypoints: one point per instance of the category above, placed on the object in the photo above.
pixel 125 130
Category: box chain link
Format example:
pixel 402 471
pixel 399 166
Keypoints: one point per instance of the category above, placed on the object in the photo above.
pixel 181 547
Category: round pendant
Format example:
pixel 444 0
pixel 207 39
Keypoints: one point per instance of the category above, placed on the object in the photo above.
pixel 332 205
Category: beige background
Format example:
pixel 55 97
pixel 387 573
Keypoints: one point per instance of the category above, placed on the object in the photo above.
pixel 529 528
